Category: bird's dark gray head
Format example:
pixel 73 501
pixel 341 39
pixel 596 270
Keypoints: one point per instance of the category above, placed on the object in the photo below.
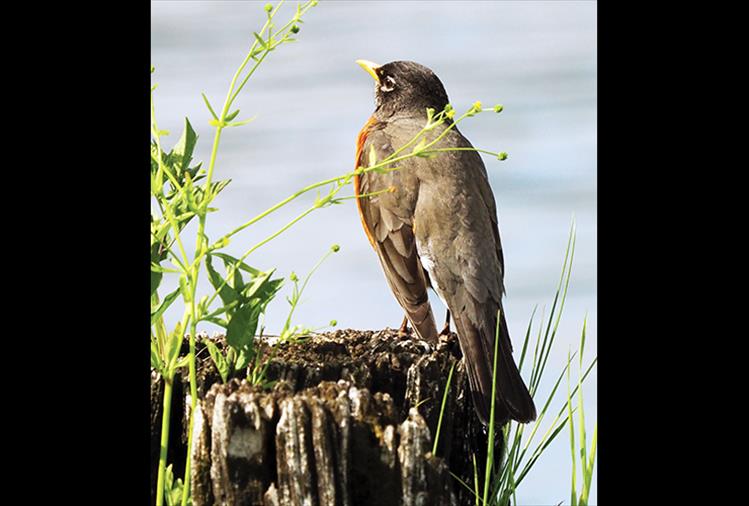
pixel 405 86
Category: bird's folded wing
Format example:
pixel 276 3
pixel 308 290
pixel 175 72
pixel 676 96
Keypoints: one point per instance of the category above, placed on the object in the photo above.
pixel 386 211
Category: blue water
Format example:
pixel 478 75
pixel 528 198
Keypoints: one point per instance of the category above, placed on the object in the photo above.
pixel 536 58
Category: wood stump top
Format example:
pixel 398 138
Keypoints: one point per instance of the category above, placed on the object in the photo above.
pixel 349 419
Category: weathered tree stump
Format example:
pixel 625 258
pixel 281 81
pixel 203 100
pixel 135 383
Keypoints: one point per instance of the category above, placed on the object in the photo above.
pixel 350 420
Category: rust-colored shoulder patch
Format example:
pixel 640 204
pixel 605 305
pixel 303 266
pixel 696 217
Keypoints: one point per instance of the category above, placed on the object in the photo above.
pixel 359 146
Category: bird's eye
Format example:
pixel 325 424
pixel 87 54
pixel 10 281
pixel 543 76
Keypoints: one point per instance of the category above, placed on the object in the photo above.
pixel 388 84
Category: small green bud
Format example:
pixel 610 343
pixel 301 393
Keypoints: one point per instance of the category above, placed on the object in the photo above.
pixel 502 156
pixel 498 108
pixel 450 114
pixel 314 2
pixel 221 243
pixel 336 248
pixel 293 277
pixel 333 323
pixel 268 7
pixel 475 108
pixel 294 29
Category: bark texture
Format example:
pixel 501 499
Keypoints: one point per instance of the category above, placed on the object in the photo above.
pixel 349 420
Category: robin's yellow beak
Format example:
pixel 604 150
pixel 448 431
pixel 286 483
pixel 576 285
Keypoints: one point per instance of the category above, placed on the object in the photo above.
pixel 370 67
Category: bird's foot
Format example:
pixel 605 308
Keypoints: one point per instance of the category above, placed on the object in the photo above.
pixel 446 329
pixel 404 331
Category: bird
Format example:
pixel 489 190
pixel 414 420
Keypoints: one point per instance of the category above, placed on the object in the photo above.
pixel 433 224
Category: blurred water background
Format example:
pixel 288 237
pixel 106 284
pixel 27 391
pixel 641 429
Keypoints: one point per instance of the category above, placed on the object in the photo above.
pixel 538 59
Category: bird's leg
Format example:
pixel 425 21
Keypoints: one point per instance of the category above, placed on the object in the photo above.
pixel 403 330
pixel 446 329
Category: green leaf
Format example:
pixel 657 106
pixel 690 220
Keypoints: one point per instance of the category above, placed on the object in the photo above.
pixel 241 329
pixel 219 360
pixel 244 357
pixel 185 146
pixel 420 145
pixel 232 115
pixel 218 186
pixel 227 293
pixel 155 315
pixel 268 291
pixel 208 104
pixel 263 288
pixel 185 288
pixel 155 281
pixel 155 360
pixel 237 281
pixel 168 479
pixel 240 123
pixel 157 253
pixel 183 362
pixel 160 269
pixel 230 260
pixel 218 321
pixel 174 345
pixel 260 40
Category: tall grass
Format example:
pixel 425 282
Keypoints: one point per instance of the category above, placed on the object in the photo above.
pixel 522 449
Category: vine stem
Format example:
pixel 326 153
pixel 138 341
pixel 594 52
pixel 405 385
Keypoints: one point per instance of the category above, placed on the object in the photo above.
pixel 201 246
pixel 164 440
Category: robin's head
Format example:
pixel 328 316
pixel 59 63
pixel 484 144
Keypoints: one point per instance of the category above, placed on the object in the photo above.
pixel 405 86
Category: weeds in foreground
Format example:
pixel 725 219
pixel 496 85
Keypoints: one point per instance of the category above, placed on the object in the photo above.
pixel 182 191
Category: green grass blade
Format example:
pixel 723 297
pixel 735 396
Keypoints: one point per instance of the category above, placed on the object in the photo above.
pixel 573 498
pixel 526 339
pixel 583 451
pixel 467 486
pixel 475 478
pixel 571 251
pixel 442 409
pixel 490 442
pixel 588 477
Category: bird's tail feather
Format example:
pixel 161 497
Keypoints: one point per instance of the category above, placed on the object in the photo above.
pixel 422 320
pixel 513 399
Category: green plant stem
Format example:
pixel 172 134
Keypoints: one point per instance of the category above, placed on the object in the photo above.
pixel 280 204
pixel 193 392
pixel 250 55
pixel 199 253
pixel 235 266
pixel 165 416
pixel 169 214
pixel 287 325
pixel 443 150
pixel 201 246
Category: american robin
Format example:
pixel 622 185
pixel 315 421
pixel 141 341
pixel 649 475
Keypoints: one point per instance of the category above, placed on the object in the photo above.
pixel 437 228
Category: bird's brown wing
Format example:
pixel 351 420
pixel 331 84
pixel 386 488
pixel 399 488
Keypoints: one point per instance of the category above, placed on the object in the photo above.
pixel 387 220
pixel 458 242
